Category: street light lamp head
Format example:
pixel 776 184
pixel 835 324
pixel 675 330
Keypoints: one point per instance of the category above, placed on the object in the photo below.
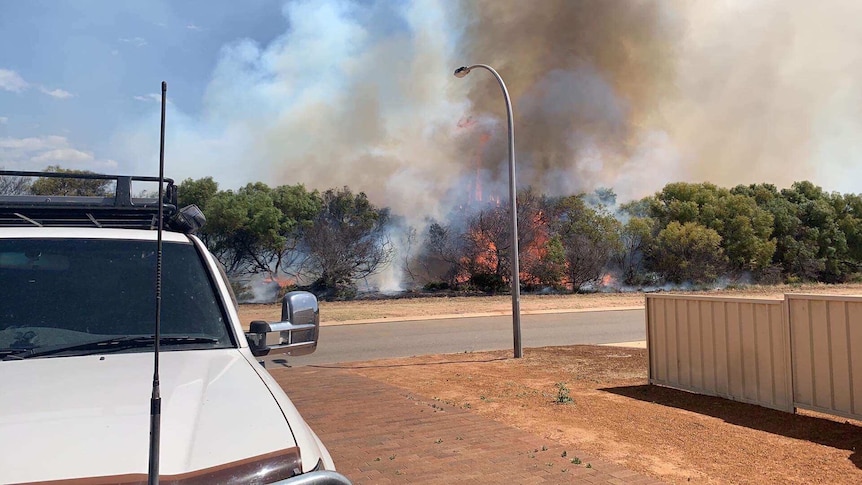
pixel 462 71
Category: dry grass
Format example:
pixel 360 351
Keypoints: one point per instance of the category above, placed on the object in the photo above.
pixel 408 308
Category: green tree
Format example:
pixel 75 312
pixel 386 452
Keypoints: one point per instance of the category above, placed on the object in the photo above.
pixel 785 226
pixel 745 227
pixel 636 238
pixel 745 231
pixel 70 186
pixel 849 212
pixel 11 185
pixel 197 192
pixel 550 268
pixel 256 229
pixel 812 229
pixel 818 234
pixel 689 252
pixel 347 241
pixel 243 230
pixel 590 237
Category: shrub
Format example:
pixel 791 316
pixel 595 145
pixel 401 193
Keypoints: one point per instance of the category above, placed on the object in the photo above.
pixel 436 286
pixel 488 282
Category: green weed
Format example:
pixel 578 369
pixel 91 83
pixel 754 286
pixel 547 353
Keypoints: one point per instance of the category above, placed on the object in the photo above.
pixel 563 394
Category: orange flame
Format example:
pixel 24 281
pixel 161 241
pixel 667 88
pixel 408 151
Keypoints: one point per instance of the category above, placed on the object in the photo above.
pixel 282 282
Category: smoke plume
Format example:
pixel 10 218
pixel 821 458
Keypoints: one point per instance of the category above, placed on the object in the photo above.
pixel 769 91
pixel 584 76
pixel 627 94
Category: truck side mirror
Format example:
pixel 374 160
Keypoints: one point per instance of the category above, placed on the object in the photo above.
pixel 296 333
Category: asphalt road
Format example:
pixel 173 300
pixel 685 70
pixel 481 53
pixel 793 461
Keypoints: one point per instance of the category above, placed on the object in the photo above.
pixel 369 341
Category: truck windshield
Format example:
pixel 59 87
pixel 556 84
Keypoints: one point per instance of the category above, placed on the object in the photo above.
pixel 68 292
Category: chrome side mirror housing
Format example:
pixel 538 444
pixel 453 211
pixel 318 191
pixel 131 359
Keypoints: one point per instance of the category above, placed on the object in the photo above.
pixel 296 333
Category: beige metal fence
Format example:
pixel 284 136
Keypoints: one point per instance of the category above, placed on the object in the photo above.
pixel 733 348
pixel 826 344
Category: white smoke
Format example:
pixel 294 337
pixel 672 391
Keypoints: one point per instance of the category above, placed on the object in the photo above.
pixel 362 94
pixel 769 91
pixel 339 99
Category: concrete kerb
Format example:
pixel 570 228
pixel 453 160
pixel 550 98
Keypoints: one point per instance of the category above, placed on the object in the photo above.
pixel 639 344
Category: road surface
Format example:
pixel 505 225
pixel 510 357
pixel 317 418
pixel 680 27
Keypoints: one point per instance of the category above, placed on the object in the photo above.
pixel 369 341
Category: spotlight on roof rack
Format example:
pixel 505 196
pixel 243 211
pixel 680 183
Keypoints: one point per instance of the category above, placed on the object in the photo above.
pixel 189 219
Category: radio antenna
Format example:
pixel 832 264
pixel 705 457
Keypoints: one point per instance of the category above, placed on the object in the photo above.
pixel 156 399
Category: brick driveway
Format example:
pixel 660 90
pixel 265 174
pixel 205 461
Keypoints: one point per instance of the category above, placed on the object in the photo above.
pixel 380 434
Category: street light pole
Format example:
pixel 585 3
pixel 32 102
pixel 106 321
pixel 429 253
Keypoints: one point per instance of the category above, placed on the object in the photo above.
pixel 515 277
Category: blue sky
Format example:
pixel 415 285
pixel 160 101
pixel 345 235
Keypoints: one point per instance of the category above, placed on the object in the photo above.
pixel 249 83
pixel 79 69
pixel 360 92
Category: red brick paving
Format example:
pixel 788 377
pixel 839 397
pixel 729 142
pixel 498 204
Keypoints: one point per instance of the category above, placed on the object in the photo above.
pixel 382 434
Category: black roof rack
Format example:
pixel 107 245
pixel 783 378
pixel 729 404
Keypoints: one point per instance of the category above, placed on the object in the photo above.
pixel 117 210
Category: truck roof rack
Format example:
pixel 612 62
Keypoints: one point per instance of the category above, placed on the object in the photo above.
pixel 116 210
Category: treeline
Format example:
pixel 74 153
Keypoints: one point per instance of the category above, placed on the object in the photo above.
pixel 687 232
pixel 324 242
pixel 331 241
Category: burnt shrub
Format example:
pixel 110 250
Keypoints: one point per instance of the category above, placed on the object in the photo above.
pixel 437 286
pixel 770 275
pixel 487 282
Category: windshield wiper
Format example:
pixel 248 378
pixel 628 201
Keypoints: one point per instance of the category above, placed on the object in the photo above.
pixel 106 345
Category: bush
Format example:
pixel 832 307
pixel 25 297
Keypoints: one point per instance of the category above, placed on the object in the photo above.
pixel 488 282
pixel 241 289
pixel 770 275
pixel 650 278
pixel 854 278
pixel 328 293
pixel 437 286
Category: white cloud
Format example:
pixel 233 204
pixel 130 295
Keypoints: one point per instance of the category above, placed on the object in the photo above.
pixel 194 27
pixel 34 143
pixel 135 41
pixel 3 120
pixel 35 153
pixel 69 155
pixel 12 81
pixel 56 93
pixel 149 97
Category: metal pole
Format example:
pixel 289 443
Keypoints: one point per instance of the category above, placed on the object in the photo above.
pixel 513 206
pixel 156 398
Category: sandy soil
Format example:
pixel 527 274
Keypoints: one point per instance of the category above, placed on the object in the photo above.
pixel 613 413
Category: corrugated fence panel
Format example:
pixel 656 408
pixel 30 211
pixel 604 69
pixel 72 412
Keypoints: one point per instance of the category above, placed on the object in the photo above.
pixel 719 332
pixel 734 348
pixel 854 342
pixel 826 336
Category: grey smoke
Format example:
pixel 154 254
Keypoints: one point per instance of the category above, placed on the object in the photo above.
pixel 624 94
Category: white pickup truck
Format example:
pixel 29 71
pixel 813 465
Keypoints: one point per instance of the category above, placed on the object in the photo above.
pixel 77 313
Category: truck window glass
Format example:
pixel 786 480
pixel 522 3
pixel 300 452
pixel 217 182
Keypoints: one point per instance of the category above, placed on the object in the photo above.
pixel 60 291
